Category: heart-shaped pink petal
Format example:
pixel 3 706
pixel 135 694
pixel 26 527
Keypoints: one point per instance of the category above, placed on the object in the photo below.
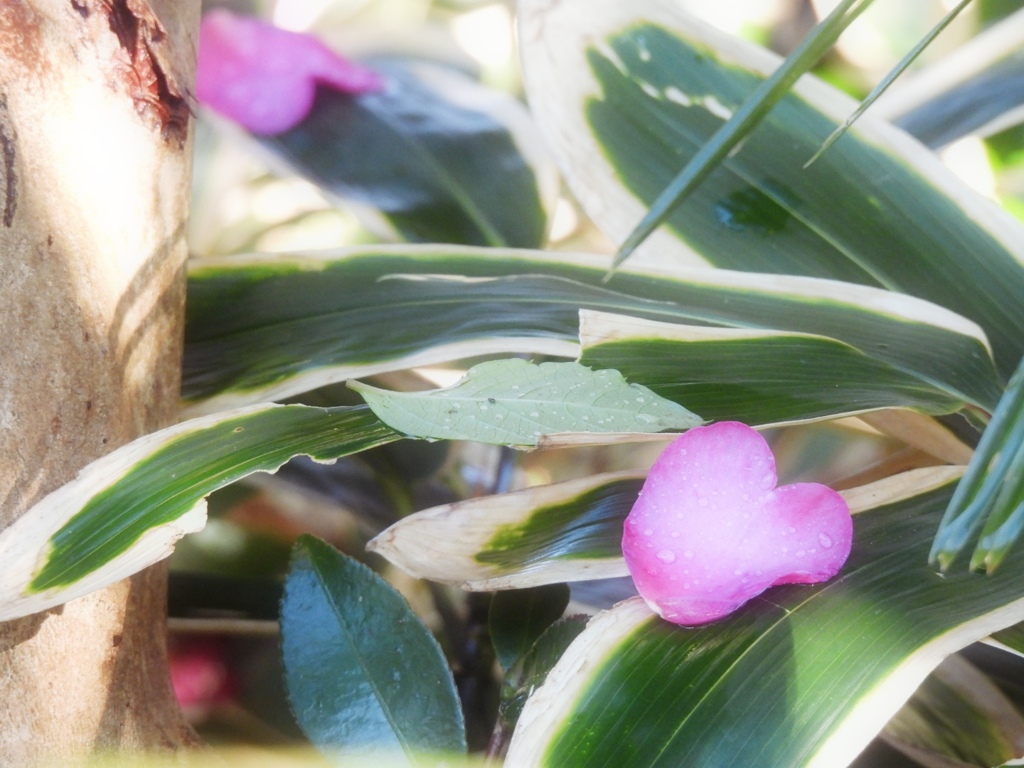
pixel 711 530
pixel 265 78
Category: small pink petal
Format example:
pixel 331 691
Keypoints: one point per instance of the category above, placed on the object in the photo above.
pixel 265 78
pixel 710 529
pixel 200 674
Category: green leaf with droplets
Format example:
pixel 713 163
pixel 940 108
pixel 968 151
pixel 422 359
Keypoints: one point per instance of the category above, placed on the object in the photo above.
pixel 513 402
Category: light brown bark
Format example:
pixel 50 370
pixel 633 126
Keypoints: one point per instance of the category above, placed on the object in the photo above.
pixel 94 177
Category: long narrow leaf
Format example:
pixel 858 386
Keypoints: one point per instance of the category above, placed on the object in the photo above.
pixel 957 716
pixel 126 510
pixel 744 120
pixel 756 377
pixel 546 535
pixel 890 78
pixel 977 89
pixel 261 328
pixel 571 531
pixel 991 488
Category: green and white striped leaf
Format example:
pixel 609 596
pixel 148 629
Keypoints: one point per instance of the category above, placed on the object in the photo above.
pixel 262 328
pixel 757 377
pixel 628 92
pixel 802 676
pixel 126 510
pixel 566 532
pixel 516 403
pixel 569 531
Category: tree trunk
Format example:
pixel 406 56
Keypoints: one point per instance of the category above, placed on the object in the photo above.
pixel 95 156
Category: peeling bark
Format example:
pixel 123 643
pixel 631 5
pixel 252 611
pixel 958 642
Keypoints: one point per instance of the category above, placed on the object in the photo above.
pixel 94 177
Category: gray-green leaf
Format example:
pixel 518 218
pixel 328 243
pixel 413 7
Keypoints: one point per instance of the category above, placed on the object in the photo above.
pixel 513 402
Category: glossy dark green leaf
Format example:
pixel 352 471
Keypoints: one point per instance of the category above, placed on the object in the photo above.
pixel 514 402
pixel 259 328
pixel 803 676
pixel 125 511
pixel 365 677
pixel 519 616
pixel 437 168
pixel 530 670
pixel 632 91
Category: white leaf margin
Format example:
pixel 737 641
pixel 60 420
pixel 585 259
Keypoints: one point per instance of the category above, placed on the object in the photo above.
pixel 553 36
pixel 25 544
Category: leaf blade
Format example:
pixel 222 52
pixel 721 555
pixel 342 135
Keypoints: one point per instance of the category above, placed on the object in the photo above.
pixel 743 121
pixel 364 675
pixel 757 377
pixel 126 510
pixel 513 402
pixel 442 158
pixel 300 322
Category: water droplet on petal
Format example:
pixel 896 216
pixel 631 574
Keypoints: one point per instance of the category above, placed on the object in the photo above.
pixel 702 502
pixel 666 556
pixel 648 531
pixel 824 540
pixel 688 555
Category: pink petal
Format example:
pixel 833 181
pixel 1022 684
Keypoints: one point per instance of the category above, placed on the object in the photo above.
pixel 200 674
pixel 710 530
pixel 265 78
